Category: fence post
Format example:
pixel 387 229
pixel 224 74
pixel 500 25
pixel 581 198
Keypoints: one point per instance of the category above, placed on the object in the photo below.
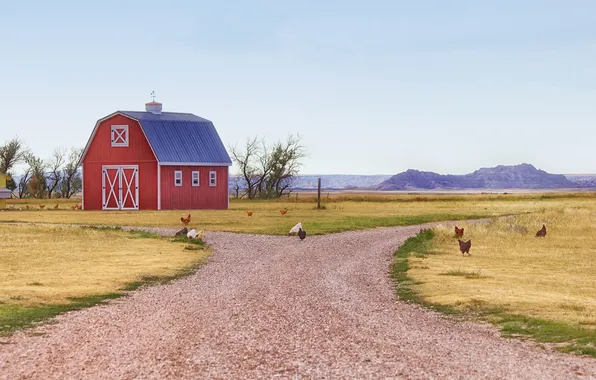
pixel 319 194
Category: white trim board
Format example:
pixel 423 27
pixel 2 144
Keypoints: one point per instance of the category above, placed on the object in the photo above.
pixel 158 186
pixel 193 164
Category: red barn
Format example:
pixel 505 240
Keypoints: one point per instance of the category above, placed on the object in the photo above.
pixel 154 160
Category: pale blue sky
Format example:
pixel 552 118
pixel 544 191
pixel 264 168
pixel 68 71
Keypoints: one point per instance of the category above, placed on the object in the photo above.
pixel 374 87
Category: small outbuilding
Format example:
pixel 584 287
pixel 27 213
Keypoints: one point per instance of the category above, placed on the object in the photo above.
pixel 155 160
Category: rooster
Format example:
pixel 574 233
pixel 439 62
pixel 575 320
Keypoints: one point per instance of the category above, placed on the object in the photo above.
pixel 248 212
pixel 283 212
pixel 185 220
pixel 42 206
pixel 541 232
pixel 459 232
pixel 464 247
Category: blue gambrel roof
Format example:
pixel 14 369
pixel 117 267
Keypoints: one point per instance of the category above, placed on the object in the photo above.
pixel 181 137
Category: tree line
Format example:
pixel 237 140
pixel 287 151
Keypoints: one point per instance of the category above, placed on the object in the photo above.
pixel 266 171
pixel 56 177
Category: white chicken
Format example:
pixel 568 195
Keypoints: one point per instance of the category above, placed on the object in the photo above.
pixel 295 229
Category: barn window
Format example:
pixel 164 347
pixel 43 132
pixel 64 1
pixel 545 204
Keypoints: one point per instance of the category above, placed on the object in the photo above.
pixel 178 178
pixel 212 178
pixel 119 135
pixel 195 178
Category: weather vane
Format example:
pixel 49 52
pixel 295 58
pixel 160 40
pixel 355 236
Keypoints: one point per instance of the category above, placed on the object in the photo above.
pixel 153 95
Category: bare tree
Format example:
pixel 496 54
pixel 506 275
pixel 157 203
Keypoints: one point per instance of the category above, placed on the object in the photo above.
pixel 246 161
pixel 72 182
pixel 37 182
pixel 283 165
pixel 22 186
pixel 54 174
pixel 268 172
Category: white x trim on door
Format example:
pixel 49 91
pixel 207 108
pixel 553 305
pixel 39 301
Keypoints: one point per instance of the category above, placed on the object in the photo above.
pixel 120 187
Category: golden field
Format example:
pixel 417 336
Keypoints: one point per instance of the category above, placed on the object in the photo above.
pixel 552 278
pixel 510 270
pixel 50 264
pixel 341 212
pixel 50 269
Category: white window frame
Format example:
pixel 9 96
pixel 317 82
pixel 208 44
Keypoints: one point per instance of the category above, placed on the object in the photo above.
pixel 212 178
pixel 177 176
pixel 198 178
pixel 124 136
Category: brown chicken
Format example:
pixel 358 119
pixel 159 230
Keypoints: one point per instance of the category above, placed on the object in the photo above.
pixel 57 206
pixel 185 220
pixel 541 232
pixel 73 207
pixel 27 207
pixel 459 232
pixel 42 206
pixel 283 212
pixel 464 247
pixel 248 212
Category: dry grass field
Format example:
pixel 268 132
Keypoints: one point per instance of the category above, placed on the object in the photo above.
pixel 61 267
pixel 514 270
pixel 547 282
pixel 341 212
pixel 543 287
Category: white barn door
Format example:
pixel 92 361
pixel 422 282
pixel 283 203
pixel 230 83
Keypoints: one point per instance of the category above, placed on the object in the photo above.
pixel 120 187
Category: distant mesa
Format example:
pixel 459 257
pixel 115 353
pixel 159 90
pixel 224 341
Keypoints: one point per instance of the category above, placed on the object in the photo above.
pixel 523 176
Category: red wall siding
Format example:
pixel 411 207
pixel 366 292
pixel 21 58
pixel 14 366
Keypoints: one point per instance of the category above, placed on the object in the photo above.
pixel 101 153
pixel 187 197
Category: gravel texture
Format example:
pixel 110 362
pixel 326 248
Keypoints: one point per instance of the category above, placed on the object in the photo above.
pixel 278 307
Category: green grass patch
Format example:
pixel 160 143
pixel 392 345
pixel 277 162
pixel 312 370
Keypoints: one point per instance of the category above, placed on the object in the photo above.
pixel 141 234
pixel 355 223
pixel 185 239
pixel 463 273
pixel 13 317
pixel 564 337
pixel 102 228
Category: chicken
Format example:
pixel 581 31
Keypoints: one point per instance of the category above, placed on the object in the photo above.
pixel 57 206
pixel 459 232
pixel 27 207
pixel 283 212
pixel 185 220
pixel 42 206
pixel 182 232
pixel 11 207
pixel 73 207
pixel 294 230
pixel 302 234
pixel 541 232
pixel 201 235
pixel 80 207
pixel 249 212
pixel 464 247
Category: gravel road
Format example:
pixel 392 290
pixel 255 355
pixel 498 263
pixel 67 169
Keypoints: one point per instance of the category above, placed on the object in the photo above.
pixel 278 307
